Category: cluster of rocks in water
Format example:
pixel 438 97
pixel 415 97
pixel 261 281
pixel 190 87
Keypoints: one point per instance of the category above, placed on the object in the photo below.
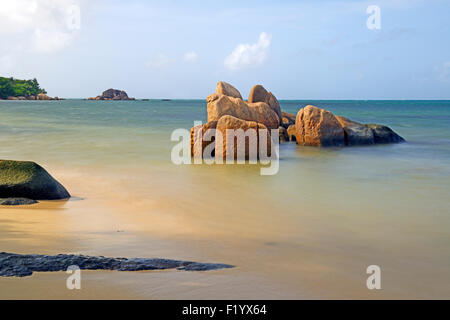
pixel 25 182
pixel 112 94
pixel 40 96
pixel 21 265
pixel 312 126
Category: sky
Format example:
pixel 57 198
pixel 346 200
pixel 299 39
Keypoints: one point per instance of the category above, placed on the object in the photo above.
pixel 181 49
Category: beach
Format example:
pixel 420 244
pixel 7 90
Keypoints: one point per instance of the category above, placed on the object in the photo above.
pixel 326 216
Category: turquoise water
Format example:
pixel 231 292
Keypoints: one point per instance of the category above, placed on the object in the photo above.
pixel 326 215
pixel 91 127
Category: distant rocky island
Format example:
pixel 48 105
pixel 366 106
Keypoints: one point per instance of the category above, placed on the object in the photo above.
pixel 16 89
pixel 112 94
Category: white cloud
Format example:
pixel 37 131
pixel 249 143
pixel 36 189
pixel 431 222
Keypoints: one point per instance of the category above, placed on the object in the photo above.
pixel 190 56
pixel 158 61
pixel 246 55
pixel 49 41
pixel 48 25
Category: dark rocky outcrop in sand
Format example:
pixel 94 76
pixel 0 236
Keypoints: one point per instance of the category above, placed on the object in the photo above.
pixel 113 94
pixel 321 128
pixel 26 179
pixel 16 201
pixel 18 265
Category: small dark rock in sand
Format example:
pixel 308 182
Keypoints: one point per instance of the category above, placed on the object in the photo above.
pixel 16 201
pixel 18 265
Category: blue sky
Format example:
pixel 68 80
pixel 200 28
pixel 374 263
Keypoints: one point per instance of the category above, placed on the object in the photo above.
pixel 180 49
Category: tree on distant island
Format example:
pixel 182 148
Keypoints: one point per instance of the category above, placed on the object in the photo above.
pixel 10 87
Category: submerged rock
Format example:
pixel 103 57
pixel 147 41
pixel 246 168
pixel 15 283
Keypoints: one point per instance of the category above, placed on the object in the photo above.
pixel 356 133
pixel 16 201
pixel 18 265
pixel 383 134
pixel 26 179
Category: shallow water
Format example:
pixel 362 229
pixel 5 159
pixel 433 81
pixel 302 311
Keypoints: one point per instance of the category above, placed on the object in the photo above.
pixel 309 231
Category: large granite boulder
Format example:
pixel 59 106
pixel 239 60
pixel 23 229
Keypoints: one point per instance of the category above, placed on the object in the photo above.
pixel 318 127
pixel 197 136
pixel 259 94
pixel 227 90
pixel 25 179
pixel 221 105
pixel 251 144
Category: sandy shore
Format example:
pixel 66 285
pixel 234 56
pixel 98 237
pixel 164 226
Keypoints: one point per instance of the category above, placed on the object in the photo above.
pixel 129 215
pixel 47 228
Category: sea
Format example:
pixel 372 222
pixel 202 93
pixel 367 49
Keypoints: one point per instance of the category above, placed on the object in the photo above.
pixel 309 231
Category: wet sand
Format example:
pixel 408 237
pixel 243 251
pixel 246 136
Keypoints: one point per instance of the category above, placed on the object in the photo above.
pixel 311 252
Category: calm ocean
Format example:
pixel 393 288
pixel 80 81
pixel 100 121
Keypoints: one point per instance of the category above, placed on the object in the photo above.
pixel 308 231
